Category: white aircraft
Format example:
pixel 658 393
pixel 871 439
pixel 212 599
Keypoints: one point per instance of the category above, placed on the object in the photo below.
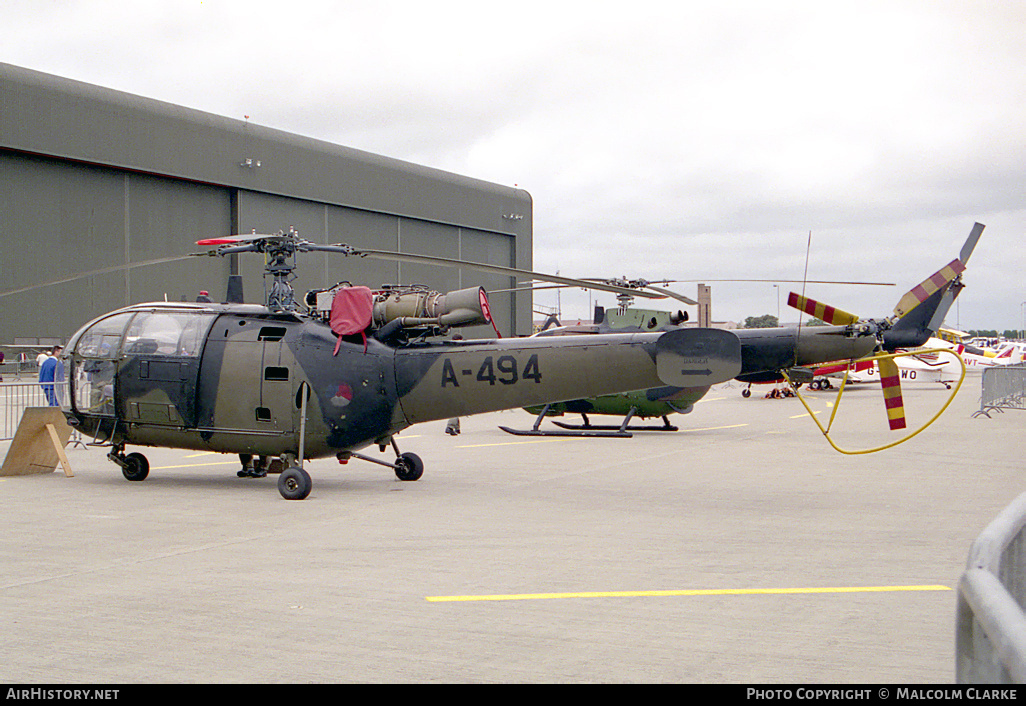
pixel 941 366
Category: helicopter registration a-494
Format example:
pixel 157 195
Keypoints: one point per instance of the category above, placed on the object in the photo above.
pixel 350 368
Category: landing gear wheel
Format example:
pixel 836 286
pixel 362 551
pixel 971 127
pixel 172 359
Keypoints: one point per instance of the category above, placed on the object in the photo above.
pixel 746 393
pixel 409 467
pixel 294 484
pixel 136 467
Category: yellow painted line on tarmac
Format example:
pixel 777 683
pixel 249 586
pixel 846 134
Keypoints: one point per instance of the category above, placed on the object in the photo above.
pixel 198 465
pixel 805 414
pixel 729 426
pixel 686 592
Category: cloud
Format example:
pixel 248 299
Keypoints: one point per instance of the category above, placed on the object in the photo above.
pixel 695 139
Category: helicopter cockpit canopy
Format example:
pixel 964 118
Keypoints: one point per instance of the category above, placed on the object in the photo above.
pixel 159 333
pixel 148 331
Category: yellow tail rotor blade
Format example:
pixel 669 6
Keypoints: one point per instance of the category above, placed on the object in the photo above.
pixel 890 381
pixel 922 291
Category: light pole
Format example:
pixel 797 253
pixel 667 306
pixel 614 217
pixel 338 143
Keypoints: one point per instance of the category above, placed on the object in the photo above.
pixel 777 287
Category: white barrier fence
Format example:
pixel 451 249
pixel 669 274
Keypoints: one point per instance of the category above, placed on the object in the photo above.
pixel 1004 387
pixel 16 396
pixel 990 625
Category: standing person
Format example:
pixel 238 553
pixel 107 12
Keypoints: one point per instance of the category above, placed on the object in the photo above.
pixel 47 373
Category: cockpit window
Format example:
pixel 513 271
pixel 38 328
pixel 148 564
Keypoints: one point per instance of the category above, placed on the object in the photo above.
pixel 103 338
pixel 167 333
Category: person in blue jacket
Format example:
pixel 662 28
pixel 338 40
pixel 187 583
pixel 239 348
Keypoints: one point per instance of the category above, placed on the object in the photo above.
pixel 48 372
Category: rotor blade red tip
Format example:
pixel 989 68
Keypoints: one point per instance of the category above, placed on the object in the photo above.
pixel 216 241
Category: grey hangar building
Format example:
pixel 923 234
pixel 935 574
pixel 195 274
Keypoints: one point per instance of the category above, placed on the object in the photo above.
pixel 96 179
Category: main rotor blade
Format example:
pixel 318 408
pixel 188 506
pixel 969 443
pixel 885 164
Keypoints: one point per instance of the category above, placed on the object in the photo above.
pixel 91 273
pixel 824 312
pixel 500 270
pixel 793 281
pixel 236 239
pixel 672 294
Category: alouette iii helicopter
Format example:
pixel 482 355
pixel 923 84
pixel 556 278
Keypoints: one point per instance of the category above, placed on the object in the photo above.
pixel 349 368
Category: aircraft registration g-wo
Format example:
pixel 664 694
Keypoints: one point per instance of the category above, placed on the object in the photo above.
pixel 350 368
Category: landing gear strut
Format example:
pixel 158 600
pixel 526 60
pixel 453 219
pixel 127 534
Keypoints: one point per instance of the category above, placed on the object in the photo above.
pixel 407 466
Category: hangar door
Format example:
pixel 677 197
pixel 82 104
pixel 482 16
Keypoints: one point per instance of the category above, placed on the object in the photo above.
pixel 67 219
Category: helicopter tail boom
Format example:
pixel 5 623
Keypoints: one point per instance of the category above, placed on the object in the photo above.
pixel 482 376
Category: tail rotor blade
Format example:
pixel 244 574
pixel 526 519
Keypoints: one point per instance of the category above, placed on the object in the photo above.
pixel 970 244
pixel 890 381
pixel 824 312
pixel 922 291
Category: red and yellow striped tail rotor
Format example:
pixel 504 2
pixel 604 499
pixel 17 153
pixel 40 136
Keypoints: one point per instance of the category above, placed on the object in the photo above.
pixel 922 291
pixel 890 381
pixel 824 312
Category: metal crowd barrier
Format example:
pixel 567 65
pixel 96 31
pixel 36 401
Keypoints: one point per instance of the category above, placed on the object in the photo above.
pixel 1004 387
pixel 990 625
pixel 16 396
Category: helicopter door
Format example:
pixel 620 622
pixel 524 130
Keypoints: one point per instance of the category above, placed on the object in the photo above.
pixel 276 399
pixel 160 367
pixel 248 385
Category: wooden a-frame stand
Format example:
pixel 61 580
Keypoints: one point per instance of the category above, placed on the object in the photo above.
pixel 38 444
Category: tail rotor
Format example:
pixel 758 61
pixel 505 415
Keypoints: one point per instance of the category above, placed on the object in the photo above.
pixel 917 317
pixel 890 382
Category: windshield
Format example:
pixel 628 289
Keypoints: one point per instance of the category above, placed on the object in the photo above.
pixel 168 333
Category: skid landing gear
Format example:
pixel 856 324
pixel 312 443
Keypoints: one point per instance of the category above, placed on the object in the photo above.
pixel 623 427
pixel 588 429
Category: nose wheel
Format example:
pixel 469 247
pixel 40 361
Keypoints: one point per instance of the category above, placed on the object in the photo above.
pixel 134 466
pixel 409 467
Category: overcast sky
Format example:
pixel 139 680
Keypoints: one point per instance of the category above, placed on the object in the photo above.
pixel 681 140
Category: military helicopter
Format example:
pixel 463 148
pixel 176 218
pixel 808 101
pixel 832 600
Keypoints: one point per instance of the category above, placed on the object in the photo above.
pixel 349 368
pixel 629 405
